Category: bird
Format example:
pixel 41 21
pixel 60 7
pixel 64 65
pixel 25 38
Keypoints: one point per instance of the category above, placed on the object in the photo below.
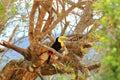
pixel 57 45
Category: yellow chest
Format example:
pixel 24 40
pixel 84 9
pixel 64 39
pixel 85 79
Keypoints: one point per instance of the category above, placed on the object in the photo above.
pixel 61 42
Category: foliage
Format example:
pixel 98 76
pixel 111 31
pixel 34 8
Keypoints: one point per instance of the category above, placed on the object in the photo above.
pixel 111 41
pixel 4 10
pixel 2 15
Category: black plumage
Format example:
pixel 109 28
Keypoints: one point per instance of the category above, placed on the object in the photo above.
pixel 57 46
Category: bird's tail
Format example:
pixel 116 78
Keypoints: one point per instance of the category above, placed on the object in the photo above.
pixel 50 54
pixel 48 60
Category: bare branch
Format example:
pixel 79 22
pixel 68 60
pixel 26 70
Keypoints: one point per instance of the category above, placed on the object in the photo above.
pixel 3 50
pixel 82 66
pixel 94 66
pixel 22 51
pixel 13 33
pixel 41 16
pixel 31 25
pixel 75 35
pixel 10 39
pixel 62 4
pixel 50 69
pixel 86 19
pixel 26 7
pixel 51 49
pixel 39 74
pixel 51 38
pixel 47 5
pixel 48 22
pixel 60 17
pixel 64 29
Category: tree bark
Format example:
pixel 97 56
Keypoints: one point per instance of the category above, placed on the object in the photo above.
pixel 35 56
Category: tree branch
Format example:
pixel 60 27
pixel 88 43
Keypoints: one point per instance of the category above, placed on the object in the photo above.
pixel 39 24
pixel 60 17
pixel 13 33
pixel 31 24
pixel 64 29
pixel 86 19
pixel 48 22
pixel 22 51
pixel 94 66
pixel 78 64
pixel 10 39
pixel 51 38
pixel 51 49
pixel 46 4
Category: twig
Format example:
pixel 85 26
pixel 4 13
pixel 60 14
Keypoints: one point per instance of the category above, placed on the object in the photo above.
pixel 51 49
pixel 51 38
pixel 60 17
pixel 3 50
pixel 86 19
pixel 64 29
pixel 26 7
pixel 13 33
pixel 22 51
pixel 40 75
pixel 80 65
pixel 94 66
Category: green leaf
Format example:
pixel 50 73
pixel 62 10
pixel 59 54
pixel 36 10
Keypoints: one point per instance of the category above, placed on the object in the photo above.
pixel 2 9
pixel 14 9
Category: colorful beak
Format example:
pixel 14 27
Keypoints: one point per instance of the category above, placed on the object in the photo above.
pixel 63 38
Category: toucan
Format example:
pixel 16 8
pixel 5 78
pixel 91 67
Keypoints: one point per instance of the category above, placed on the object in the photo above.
pixel 57 45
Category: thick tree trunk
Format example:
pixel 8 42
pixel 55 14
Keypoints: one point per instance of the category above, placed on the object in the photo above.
pixel 15 70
